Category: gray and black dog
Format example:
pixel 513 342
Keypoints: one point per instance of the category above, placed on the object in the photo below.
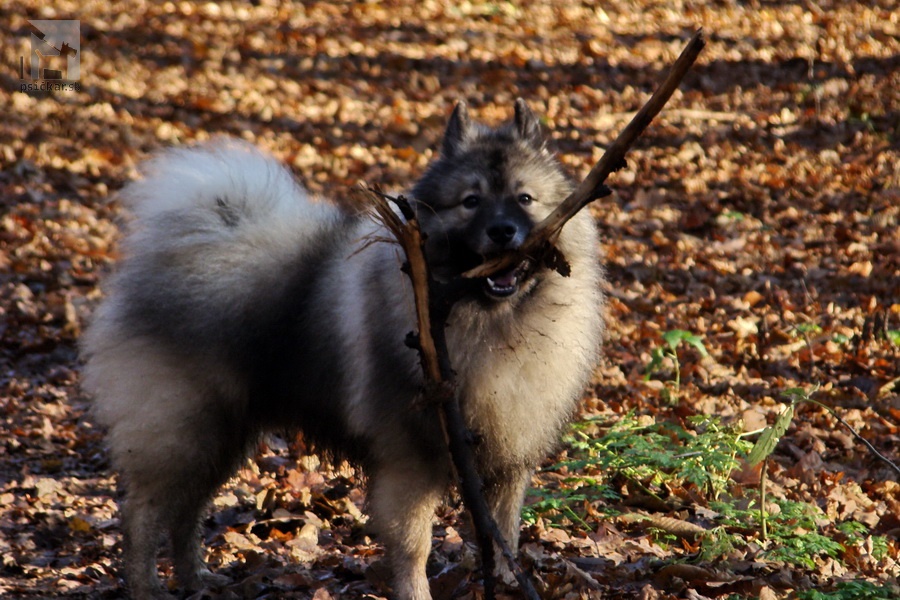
pixel 242 306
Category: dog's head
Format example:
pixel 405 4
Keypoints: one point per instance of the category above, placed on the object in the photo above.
pixel 484 194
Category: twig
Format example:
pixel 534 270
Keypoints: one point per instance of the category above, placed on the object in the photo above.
pixel 538 247
pixel 849 427
pixel 433 302
pixel 763 513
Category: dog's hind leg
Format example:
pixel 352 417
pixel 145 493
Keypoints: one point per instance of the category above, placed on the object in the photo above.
pixel 212 445
pixel 142 531
pixel 191 571
pixel 170 499
pixel 173 454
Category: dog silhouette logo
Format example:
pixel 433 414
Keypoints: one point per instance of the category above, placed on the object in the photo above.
pixel 55 51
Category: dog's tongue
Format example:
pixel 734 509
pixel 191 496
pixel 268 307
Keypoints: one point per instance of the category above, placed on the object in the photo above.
pixel 507 279
pixel 505 283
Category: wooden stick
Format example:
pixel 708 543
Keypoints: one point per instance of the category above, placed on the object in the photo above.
pixel 539 248
pixel 433 303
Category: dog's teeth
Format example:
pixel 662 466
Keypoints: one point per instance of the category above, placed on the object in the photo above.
pixel 507 281
pixel 505 285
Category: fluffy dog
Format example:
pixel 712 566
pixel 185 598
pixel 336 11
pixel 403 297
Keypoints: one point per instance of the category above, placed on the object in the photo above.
pixel 241 306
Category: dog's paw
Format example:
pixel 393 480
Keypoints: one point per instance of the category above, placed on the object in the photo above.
pixel 155 593
pixel 505 575
pixel 212 580
pixel 203 579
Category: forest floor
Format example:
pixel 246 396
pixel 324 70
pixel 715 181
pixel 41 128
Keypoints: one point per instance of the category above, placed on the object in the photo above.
pixel 758 219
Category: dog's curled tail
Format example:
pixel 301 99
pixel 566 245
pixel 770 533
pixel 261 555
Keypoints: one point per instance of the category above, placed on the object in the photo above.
pixel 217 232
pixel 224 187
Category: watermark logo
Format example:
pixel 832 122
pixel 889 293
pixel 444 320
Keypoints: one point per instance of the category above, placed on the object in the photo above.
pixel 54 60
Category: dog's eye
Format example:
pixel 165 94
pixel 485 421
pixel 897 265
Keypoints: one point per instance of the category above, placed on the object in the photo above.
pixel 471 201
pixel 525 199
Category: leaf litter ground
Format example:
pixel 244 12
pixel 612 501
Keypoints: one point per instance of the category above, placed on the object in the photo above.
pixel 759 215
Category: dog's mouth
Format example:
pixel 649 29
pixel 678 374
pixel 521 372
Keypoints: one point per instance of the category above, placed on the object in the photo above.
pixel 506 283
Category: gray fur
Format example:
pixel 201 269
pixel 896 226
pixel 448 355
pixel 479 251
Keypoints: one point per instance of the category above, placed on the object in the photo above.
pixel 241 305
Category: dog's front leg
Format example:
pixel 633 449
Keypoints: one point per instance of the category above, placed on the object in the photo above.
pixel 505 493
pixel 403 498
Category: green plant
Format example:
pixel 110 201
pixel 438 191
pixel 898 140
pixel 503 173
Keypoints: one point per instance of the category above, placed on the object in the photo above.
pixel 734 215
pixel 880 547
pixel 653 457
pixel 716 543
pixel 558 504
pixel 852 529
pixel 803 549
pixel 663 453
pixel 894 336
pixel 854 590
pixel 857 533
pixel 553 506
pixel 672 340
pixel 793 531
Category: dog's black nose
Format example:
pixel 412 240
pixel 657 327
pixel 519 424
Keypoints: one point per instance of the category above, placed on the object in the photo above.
pixel 502 233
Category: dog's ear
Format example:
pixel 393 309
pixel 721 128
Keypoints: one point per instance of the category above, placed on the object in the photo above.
pixel 459 131
pixel 527 124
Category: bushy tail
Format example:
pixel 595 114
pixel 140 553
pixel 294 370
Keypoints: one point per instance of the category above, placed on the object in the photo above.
pixel 217 231
pixel 222 189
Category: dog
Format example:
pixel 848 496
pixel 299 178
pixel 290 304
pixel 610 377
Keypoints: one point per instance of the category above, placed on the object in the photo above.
pixel 241 305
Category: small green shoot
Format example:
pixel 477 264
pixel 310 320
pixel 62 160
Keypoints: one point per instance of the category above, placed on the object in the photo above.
pixel 894 336
pixel 805 330
pixel 770 436
pixel 673 339
pixel 734 215
pixel 840 338
pixel 760 453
